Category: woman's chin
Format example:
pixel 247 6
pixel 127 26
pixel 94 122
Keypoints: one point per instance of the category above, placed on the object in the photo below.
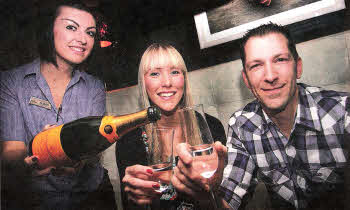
pixel 168 110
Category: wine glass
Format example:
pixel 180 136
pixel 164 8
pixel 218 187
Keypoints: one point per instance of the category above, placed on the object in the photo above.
pixel 197 135
pixel 160 156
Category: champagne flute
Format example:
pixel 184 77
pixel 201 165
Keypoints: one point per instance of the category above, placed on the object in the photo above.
pixel 160 156
pixel 198 136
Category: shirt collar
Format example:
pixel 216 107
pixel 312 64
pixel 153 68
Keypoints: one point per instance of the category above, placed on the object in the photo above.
pixel 76 75
pixel 34 68
pixel 307 110
pixel 256 117
pixel 266 122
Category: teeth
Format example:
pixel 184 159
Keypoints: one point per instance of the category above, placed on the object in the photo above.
pixel 166 94
pixel 78 49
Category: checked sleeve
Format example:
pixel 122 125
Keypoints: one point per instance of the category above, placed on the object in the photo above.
pixel 238 174
pixel 347 119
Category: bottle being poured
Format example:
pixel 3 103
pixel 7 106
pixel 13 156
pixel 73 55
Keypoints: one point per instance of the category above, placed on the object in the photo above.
pixel 86 137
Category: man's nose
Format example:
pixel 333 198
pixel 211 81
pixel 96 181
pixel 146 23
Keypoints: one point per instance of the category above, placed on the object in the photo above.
pixel 271 74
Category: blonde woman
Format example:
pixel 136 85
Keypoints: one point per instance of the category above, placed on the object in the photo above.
pixel 163 82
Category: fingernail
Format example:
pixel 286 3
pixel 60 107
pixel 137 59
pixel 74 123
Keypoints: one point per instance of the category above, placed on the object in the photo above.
pixel 156 186
pixel 34 159
pixel 150 171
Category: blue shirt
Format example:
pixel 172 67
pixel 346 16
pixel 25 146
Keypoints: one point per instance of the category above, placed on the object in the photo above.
pixel 21 121
pixel 297 170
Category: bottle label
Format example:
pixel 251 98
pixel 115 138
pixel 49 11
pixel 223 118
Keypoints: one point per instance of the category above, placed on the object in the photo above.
pixel 110 122
pixel 47 145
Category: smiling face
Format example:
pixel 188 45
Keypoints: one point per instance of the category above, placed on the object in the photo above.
pixel 165 87
pixel 271 72
pixel 74 35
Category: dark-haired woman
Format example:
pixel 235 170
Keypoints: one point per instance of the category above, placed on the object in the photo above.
pixel 47 92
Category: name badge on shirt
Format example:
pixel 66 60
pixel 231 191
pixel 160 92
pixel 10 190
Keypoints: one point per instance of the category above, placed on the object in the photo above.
pixel 39 102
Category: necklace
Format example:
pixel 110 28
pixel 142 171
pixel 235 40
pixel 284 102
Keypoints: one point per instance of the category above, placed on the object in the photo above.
pixel 145 139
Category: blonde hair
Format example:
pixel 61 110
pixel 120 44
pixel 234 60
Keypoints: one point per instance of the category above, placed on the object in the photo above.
pixel 163 55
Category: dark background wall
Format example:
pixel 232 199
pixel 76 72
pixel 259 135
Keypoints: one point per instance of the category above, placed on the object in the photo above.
pixel 136 24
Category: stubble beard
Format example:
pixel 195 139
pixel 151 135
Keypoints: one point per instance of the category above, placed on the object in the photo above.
pixel 281 108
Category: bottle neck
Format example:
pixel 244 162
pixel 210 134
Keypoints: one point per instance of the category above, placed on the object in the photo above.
pixel 129 122
pixel 113 127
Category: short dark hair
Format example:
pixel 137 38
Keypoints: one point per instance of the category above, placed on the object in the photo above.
pixel 44 32
pixel 266 29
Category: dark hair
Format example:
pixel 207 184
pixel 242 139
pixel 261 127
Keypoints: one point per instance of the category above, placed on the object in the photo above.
pixel 266 29
pixel 44 33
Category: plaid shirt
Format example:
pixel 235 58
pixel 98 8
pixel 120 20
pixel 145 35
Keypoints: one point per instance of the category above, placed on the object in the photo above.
pixel 293 170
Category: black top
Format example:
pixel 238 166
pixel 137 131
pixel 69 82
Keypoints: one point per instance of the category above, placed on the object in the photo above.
pixel 130 150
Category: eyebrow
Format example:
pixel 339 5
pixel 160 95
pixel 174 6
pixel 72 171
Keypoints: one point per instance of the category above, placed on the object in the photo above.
pixel 88 28
pixel 283 54
pixel 275 56
pixel 253 62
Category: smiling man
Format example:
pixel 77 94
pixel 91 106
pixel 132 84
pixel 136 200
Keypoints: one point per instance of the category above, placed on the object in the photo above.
pixel 292 136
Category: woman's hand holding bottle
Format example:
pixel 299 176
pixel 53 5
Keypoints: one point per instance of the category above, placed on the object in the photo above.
pixel 32 167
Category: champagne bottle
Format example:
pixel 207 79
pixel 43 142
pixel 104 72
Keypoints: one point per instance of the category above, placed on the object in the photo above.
pixel 80 139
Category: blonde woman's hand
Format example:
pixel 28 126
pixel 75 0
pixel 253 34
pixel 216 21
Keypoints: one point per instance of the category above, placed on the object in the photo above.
pixel 188 181
pixel 138 185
